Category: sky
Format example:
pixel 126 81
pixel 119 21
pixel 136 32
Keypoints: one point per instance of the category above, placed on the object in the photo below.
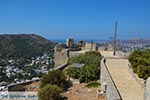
pixel 79 19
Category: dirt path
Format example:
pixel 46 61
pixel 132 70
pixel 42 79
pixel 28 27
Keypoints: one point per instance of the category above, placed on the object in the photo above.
pixel 80 92
pixel 126 84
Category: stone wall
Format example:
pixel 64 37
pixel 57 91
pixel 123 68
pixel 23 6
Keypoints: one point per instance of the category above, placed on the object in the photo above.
pixel 22 83
pixel 112 92
pixel 60 56
pixel 147 90
pixel 74 54
pixel 89 46
pixel 135 76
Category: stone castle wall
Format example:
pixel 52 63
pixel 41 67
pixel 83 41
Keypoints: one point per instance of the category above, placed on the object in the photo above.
pixel 60 56
pixel 89 46
pixel 112 92
pixel 74 54
pixel 147 90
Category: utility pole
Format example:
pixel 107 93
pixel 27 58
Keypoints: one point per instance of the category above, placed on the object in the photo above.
pixel 91 45
pixel 115 38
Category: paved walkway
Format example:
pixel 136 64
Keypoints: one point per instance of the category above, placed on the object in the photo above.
pixel 126 84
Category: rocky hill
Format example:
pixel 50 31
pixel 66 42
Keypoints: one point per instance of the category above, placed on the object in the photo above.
pixel 23 46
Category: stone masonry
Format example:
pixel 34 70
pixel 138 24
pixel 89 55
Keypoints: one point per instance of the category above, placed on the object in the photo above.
pixel 60 55
pixel 147 90
pixel 111 91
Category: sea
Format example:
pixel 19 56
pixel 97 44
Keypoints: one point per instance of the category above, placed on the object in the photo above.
pixel 76 40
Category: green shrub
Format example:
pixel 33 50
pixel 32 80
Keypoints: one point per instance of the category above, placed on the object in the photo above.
pixel 93 84
pixel 140 61
pixel 50 92
pixel 56 77
pixel 91 70
pixel 143 71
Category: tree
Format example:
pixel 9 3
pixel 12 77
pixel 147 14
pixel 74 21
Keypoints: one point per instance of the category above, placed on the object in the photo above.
pixel 56 77
pixel 90 71
pixel 133 59
pixel 140 62
pixel 3 76
pixel 74 72
pixel 143 71
pixel 50 92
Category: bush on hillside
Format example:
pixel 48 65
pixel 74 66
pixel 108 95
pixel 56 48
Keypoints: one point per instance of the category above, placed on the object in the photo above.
pixel 91 70
pixel 55 77
pixel 93 84
pixel 50 92
pixel 140 62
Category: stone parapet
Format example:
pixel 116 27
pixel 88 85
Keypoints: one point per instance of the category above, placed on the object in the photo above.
pixel 147 90
pixel 112 92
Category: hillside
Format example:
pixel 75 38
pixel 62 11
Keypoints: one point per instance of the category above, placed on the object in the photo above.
pixel 23 45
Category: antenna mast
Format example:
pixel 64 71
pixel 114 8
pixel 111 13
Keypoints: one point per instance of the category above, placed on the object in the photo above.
pixel 115 38
pixel 91 45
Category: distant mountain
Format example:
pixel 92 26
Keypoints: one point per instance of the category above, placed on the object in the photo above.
pixel 23 45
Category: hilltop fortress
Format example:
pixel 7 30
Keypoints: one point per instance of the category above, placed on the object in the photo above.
pixel 64 51
pixel 115 73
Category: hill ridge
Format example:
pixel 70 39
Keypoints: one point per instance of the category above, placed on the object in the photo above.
pixel 23 45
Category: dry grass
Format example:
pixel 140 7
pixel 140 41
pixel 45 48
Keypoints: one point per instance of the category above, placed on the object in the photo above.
pixel 80 92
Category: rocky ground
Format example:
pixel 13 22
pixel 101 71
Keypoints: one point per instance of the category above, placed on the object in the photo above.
pixel 80 92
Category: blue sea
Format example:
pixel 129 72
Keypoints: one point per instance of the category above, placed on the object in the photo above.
pixel 76 40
